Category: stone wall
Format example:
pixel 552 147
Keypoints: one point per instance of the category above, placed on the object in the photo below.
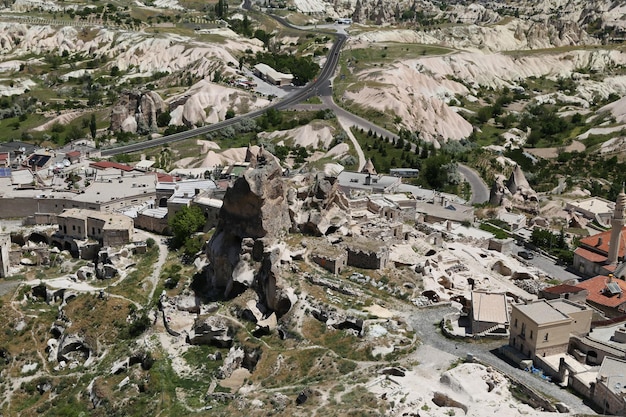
pixel 152 224
pixel 117 237
pixel 333 264
pixel 5 245
pixel 362 258
pixel 20 207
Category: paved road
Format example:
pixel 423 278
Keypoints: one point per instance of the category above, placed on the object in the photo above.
pixel 321 83
pixel 480 191
pixel 548 266
pixel 422 321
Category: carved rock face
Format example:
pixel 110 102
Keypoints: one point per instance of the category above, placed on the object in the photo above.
pixel 254 215
pixel 137 112
pixel 257 203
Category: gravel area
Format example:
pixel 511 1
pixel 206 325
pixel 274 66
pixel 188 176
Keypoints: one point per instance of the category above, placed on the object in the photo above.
pixel 425 323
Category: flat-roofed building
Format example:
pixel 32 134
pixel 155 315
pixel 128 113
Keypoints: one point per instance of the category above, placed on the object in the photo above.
pixel 269 74
pixel 593 208
pixel 78 226
pixel 368 183
pixel 544 327
pixel 490 313
pixel 609 392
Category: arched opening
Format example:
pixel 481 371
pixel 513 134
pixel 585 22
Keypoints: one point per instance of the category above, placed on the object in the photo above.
pixel 163 202
pixel 38 238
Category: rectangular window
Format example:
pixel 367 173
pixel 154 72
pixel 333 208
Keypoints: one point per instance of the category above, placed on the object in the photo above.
pixel 515 323
pixel 545 338
pixel 73 227
pixel 93 230
pixel 531 335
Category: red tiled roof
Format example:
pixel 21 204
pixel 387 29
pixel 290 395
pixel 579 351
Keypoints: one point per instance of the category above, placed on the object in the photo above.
pixel 109 164
pixel 72 154
pixel 589 255
pixel 601 241
pixel 563 289
pixel 596 286
pixel 4 156
pixel 166 177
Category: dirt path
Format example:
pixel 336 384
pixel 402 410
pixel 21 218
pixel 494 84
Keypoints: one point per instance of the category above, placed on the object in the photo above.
pixel 346 127
pixel 549 153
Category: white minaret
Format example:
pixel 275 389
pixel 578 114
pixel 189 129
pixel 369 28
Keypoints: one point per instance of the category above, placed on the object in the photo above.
pixel 617 224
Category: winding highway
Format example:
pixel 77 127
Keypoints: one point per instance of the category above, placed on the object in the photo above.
pixel 311 89
pixel 321 86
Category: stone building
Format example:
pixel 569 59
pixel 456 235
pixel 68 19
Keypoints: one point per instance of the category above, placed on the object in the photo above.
pixel 600 254
pixel 543 328
pixel 609 392
pixel 78 227
pixel 606 294
pixel 331 258
pixel 367 254
pixel 490 313
pixel 564 291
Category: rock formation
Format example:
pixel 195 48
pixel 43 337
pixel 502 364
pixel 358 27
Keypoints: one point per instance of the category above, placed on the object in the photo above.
pixel 318 207
pixel 137 112
pixel 254 215
pixel 514 192
pixel 211 330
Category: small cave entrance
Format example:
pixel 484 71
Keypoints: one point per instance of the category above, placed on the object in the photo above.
pixel 38 238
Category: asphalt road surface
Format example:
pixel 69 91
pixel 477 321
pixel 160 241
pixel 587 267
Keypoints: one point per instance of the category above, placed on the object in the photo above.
pixel 480 191
pixel 547 265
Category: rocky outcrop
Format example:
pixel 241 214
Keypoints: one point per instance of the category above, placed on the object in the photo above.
pixel 211 330
pixel 137 112
pixel 514 192
pixel 242 251
pixel 73 347
pixel 378 12
pixel 318 206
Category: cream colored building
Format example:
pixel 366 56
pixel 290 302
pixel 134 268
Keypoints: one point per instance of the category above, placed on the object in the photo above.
pixel 609 392
pixel 108 229
pixel 543 327
pixel 489 313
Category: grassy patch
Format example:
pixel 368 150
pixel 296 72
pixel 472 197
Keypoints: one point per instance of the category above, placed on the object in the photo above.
pixel 133 286
pixel 344 344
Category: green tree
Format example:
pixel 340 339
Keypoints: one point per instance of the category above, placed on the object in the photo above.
pixel 184 224
pixel 163 119
pixel 74 133
pixel 92 126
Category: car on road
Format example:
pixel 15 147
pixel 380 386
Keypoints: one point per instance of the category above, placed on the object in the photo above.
pixel 525 254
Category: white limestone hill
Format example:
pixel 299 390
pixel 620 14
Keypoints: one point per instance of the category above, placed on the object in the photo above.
pixel 207 102
pixel 316 135
pixel 419 90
